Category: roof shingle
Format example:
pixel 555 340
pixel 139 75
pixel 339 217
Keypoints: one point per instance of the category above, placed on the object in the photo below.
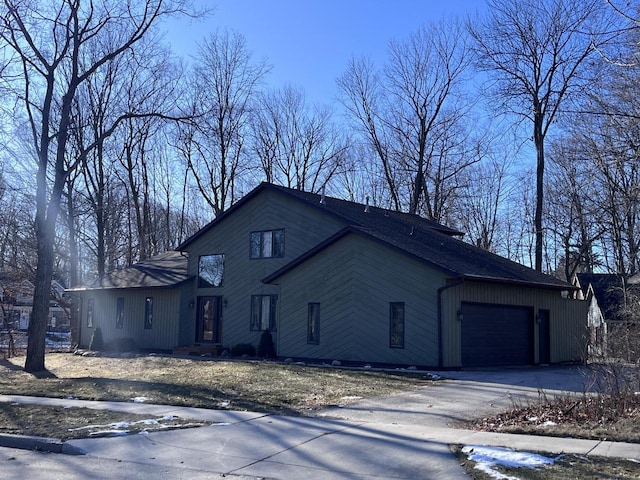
pixel 168 269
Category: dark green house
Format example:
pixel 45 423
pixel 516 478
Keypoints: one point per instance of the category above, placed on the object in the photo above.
pixel 338 280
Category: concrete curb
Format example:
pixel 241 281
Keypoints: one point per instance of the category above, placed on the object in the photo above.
pixel 42 444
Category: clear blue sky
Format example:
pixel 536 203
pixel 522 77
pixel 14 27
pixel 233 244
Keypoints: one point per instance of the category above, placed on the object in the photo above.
pixel 309 42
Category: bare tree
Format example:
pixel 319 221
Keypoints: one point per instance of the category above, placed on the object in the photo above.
pixel 603 144
pixel 362 96
pixel 574 217
pixel 411 113
pixel 534 52
pixel 225 82
pixel 49 40
pixel 298 146
pixel 482 199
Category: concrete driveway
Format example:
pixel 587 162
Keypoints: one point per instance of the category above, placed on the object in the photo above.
pixel 466 395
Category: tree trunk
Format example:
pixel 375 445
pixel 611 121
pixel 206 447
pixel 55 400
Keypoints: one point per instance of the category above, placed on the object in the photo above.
pixel 538 137
pixel 40 313
pixel 74 275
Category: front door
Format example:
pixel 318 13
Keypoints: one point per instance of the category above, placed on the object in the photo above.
pixel 209 321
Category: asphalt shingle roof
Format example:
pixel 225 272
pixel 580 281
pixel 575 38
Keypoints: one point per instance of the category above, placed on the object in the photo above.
pixel 427 240
pixel 168 269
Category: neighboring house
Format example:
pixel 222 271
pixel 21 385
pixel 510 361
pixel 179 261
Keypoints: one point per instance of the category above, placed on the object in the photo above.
pixel 16 299
pixel 607 295
pixel 338 280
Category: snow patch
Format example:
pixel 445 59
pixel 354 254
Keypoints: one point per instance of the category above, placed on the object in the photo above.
pixel 487 458
pixel 351 397
pixel 109 433
pixel 124 428
pixel 139 399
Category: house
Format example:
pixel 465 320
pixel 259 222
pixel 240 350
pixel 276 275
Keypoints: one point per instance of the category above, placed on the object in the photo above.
pixel 339 280
pixel 607 295
pixel 16 302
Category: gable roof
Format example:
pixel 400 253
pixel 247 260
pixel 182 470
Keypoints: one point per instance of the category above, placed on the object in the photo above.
pixel 442 252
pixel 352 213
pixel 607 289
pixel 425 240
pixel 168 269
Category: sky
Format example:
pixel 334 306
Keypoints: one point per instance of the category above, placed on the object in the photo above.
pixel 309 42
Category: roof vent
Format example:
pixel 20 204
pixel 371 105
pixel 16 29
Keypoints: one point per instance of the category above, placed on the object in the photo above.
pixel 366 207
pixel 411 231
pixel 323 199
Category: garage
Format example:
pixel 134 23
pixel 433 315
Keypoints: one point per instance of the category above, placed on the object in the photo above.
pixel 495 335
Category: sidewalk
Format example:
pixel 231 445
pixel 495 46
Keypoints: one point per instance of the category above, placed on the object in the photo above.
pixel 247 443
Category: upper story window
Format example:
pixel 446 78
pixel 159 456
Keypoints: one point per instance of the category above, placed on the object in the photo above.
pixel 210 270
pixel 267 244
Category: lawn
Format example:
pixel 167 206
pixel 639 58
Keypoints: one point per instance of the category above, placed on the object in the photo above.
pixel 257 386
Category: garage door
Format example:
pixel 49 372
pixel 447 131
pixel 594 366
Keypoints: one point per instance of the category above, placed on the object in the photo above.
pixel 496 335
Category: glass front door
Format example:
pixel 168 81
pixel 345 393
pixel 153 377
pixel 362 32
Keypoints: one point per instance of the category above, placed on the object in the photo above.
pixel 209 327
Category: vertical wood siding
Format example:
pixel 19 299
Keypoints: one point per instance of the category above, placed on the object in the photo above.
pixel 568 318
pixel 166 309
pixel 305 227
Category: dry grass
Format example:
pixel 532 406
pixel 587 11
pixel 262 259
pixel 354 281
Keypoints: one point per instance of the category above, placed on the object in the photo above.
pixel 613 417
pixel 236 385
pixel 606 415
pixel 68 423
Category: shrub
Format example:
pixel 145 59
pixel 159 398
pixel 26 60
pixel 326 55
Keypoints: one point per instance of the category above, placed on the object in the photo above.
pixel 266 348
pixel 243 349
pixel 97 342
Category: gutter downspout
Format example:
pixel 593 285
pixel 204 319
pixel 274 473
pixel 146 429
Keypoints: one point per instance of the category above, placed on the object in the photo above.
pixel 456 283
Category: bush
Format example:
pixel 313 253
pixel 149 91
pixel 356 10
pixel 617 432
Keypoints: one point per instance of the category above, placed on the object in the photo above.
pixel 266 348
pixel 243 349
pixel 97 342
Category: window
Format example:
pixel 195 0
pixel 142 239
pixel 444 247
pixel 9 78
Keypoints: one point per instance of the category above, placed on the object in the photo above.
pixel 267 244
pixel 119 312
pixel 148 313
pixel 263 312
pixel 210 270
pixel 396 324
pixel 313 323
pixel 90 311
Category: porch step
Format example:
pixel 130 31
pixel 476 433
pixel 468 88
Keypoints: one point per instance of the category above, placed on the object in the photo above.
pixel 213 349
